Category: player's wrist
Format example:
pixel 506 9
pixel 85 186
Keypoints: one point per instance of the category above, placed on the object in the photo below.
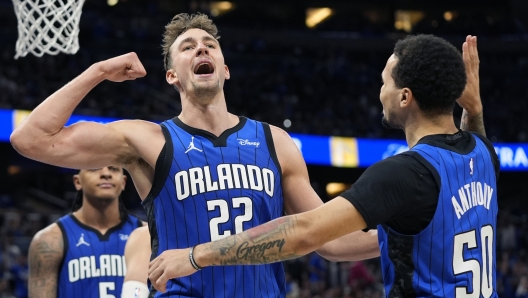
pixel 193 260
pixel 474 109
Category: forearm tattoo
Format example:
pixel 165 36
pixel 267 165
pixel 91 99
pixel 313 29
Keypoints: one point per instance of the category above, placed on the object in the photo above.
pixel 44 258
pixel 472 123
pixel 264 244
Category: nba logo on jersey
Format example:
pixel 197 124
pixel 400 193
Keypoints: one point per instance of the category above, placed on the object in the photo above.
pixel 471 166
pixel 137 292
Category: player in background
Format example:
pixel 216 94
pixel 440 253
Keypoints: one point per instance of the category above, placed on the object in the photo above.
pixel 82 254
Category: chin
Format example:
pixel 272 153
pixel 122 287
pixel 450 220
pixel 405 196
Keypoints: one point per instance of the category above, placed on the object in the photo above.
pixel 388 124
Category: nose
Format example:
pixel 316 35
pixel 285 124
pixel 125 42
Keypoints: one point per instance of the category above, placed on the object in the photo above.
pixel 202 50
pixel 106 173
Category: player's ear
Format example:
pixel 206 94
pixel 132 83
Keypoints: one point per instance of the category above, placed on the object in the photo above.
pixel 227 74
pixel 406 97
pixel 124 182
pixel 171 76
pixel 172 79
pixel 77 182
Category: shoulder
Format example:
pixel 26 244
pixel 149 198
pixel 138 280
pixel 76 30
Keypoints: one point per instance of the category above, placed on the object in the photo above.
pixel 400 169
pixel 137 240
pixel 288 154
pixel 403 162
pixel 52 231
pixel 281 139
pixel 491 149
pixel 49 240
pixel 139 233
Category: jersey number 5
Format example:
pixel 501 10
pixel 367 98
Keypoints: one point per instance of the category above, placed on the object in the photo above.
pixel 482 285
pixel 103 289
pixel 214 223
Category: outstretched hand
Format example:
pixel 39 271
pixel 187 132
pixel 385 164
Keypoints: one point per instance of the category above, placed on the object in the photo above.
pixel 122 68
pixel 170 264
pixel 470 98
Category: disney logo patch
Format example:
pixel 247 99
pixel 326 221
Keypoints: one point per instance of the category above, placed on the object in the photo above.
pixel 246 142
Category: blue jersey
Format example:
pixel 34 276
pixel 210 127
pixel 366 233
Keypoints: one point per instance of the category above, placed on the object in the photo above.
pixel 207 188
pixel 454 256
pixel 94 264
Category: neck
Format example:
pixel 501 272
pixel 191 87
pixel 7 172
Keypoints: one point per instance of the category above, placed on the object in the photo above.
pixel 209 115
pixel 101 218
pixel 417 129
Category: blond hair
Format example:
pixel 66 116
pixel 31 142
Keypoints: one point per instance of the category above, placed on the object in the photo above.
pixel 179 24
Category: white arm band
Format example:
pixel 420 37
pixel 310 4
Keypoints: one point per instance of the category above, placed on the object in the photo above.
pixel 133 289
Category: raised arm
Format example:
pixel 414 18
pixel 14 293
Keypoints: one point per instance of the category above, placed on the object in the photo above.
pixel 472 116
pixel 299 196
pixel 137 258
pixel 281 239
pixel 42 135
pixel 45 254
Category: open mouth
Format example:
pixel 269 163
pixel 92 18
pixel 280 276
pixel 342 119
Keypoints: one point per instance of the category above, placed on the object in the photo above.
pixel 204 68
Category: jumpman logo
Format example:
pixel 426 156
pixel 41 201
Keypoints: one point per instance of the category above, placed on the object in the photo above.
pixel 192 147
pixel 81 241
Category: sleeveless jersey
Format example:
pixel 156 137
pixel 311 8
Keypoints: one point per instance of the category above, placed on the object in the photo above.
pixel 454 256
pixel 93 264
pixel 207 188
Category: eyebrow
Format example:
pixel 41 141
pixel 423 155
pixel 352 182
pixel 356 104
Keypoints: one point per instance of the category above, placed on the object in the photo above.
pixel 191 39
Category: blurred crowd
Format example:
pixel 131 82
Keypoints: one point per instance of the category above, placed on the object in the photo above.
pixel 324 81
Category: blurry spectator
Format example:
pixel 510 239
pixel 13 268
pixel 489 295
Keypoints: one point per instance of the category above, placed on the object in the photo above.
pixel 10 251
pixel 360 277
pixel 522 288
pixel 317 273
pixel 292 287
pixel 508 235
pixel 19 272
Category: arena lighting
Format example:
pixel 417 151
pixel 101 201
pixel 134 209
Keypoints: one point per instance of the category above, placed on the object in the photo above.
pixel 315 16
pixel 450 15
pixel 218 8
pixel 406 19
pixel 112 2
pixel 335 188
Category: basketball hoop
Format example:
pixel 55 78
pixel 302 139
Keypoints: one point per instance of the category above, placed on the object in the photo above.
pixel 47 26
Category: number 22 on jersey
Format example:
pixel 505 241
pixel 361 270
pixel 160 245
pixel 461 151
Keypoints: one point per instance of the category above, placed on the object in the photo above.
pixel 243 203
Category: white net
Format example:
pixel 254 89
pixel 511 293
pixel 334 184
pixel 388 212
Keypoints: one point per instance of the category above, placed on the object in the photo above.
pixel 47 26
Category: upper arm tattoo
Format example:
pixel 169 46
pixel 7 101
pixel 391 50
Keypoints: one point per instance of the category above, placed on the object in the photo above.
pixel 45 255
pixel 472 123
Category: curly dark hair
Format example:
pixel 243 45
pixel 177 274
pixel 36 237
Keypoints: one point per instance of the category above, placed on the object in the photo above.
pixel 433 69
pixel 181 23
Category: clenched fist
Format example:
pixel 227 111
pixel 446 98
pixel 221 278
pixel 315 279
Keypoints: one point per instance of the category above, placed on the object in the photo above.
pixel 122 68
